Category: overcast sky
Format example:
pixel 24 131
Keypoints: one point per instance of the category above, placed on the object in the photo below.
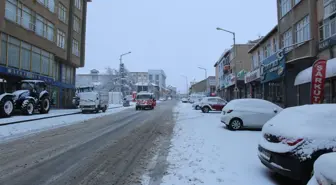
pixel 174 35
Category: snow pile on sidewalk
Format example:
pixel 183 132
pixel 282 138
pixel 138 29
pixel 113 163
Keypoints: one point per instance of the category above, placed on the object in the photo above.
pixel 203 151
pixel 25 128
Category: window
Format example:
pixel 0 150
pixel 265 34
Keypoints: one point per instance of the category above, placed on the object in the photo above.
pixel 296 2
pixel 78 4
pixel 10 10
pixel 150 77
pixel 45 62
pixel 328 29
pixel 265 52
pixel 287 40
pixel 68 75
pixel 50 4
pixel 95 78
pixel 56 71
pixel 60 39
pixel 39 23
pixel 36 60
pixel 50 31
pixel 27 19
pixel 44 28
pixel 3 54
pixel 255 60
pixel 25 56
pixel 63 73
pixel 285 6
pixel 269 48
pixel 259 56
pixel 275 45
pixel 62 13
pixel 329 8
pixel 13 52
pixel 302 30
pixel 76 24
pixel 75 47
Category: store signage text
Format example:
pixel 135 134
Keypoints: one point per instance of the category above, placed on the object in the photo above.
pixel 273 67
pixel 318 79
pixel 251 76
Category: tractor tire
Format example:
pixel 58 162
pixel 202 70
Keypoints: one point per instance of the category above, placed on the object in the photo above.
pixel 45 105
pixel 6 107
pixel 27 107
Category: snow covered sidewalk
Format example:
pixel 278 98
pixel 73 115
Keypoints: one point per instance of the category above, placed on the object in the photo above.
pixel 25 128
pixel 203 151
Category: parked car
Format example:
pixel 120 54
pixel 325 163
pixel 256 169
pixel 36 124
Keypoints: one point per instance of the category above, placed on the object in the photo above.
pixel 184 100
pixel 145 100
pixel 248 113
pixel 212 104
pixel 196 104
pixel 324 170
pixel 296 137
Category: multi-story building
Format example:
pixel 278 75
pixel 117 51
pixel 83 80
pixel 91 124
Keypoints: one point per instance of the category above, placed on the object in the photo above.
pixel 233 65
pixel 43 39
pixel 139 77
pixel 157 77
pixel 206 86
pixel 298 33
pixel 265 78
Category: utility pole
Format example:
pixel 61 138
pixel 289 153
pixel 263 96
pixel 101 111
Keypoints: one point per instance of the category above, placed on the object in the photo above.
pixel 122 73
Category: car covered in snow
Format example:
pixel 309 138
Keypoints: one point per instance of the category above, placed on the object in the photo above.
pixel 208 104
pixel 296 137
pixel 196 104
pixel 184 100
pixel 324 170
pixel 248 113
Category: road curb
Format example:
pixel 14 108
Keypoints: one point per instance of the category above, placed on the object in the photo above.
pixel 48 117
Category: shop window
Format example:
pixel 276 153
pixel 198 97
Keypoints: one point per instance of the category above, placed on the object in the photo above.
pixel 36 60
pixel 13 52
pixel 68 75
pixel 51 65
pixel 45 63
pixel 327 92
pixel 25 56
pixel 3 54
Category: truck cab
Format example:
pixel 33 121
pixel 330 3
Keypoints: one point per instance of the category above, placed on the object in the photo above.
pixel 91 100
pixel 145 100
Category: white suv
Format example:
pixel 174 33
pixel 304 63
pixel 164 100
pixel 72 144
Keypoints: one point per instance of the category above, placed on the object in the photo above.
pixel 212 104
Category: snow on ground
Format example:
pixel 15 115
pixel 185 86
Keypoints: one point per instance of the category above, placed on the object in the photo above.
pixel 203 151
pixel 25 128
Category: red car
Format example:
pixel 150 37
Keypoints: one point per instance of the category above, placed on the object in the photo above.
pixel 212 104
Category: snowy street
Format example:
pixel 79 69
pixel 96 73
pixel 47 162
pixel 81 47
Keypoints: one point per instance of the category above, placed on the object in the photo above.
pixel 203 151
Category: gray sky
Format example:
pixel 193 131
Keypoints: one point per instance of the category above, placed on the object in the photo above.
pixel 174 35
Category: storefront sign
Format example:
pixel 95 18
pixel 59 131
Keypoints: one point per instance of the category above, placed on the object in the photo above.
pixel 318 79
pixel 229 80
pixel 272 67
pixel 252 75
pixel 327 43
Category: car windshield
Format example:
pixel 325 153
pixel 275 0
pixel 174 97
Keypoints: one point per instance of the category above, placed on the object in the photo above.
pixel 144 97
pixel 26 86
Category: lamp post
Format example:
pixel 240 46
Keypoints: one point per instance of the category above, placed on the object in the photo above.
pixel 186 78
pixel 122 72
pixel 236 90
pixel 205 70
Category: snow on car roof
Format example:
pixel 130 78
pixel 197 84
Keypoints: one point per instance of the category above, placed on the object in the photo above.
pixel 323 166
pixel 33 81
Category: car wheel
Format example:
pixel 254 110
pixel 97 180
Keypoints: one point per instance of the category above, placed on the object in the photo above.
pixel 236 124
pixel 205 109
pixel 197 107
pixel 105 108
pixel 45 105
pixel 6 107
pixel 27 107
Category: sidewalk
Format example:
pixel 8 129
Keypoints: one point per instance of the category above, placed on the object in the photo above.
pixel 52 114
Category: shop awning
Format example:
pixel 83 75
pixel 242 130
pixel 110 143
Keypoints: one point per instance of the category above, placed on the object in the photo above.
pixel 306 75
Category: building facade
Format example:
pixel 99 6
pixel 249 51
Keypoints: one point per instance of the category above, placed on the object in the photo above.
pixel 43 40
pixel 157 77
pixel 206 86
pixel 139 77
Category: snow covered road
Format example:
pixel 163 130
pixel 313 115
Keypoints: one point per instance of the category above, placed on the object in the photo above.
pixel 203 151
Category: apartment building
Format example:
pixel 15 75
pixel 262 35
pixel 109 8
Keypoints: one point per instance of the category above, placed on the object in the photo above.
pixel 326 40
pixel 45 40
pixel 298 32
pixel 139 77
pixel 265 80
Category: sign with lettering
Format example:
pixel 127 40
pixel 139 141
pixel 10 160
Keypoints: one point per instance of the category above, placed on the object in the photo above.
pixel 252 75
pixel 318 79
pixel 229 80
pixel 327 43
pixel 272 67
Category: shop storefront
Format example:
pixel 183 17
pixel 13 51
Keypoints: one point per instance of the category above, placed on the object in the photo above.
pixel 271 72
pixel 229 82
pixel 241 84
pixel 252 84
pixel 303 84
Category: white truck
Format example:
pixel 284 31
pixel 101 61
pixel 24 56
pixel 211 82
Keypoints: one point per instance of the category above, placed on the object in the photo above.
pixel 91 100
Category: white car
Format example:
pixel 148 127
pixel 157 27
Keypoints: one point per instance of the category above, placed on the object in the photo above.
pixel 196 105
pixel 248 113
pixel 324 170
pixel 293 140
pixel 184 100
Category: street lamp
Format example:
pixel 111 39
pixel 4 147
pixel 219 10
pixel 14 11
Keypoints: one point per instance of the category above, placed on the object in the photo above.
pixel 205 70
pixel 186 78
pixel 124 55
pixel 236 90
